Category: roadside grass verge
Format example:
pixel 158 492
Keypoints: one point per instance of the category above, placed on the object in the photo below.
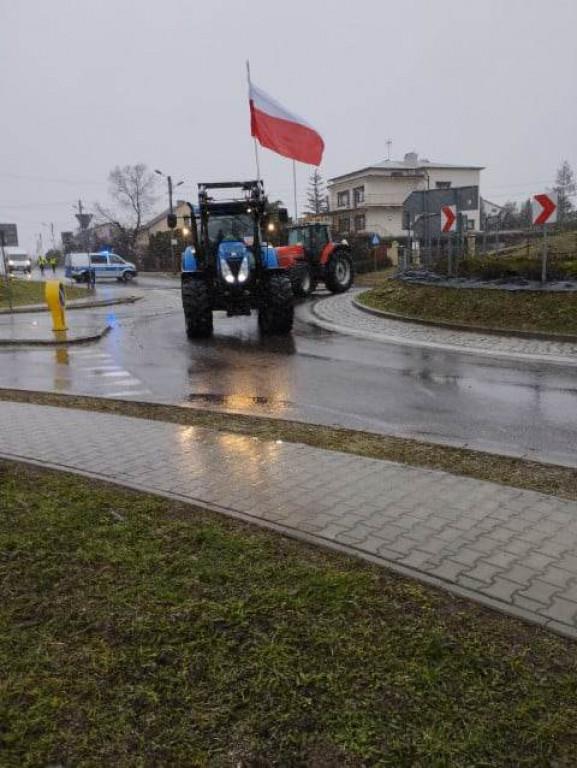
pixel 136 631
pixel 32 292
pixel 519 473
pixel 507 310
pixel 375 278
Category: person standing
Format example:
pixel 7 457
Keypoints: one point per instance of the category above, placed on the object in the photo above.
pixel 42 264
pixel 53 263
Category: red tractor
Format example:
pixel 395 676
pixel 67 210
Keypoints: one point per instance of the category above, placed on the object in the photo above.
pixel 312 256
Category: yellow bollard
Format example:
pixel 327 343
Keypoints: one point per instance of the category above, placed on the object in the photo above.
pixel 56 300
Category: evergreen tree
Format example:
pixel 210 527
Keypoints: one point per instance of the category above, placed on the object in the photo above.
pixel 316 194
pixel 509 215
pixel 526 215
pixel 565 187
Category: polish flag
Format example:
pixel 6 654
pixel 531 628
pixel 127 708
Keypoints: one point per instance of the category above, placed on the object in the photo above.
pixel 282 131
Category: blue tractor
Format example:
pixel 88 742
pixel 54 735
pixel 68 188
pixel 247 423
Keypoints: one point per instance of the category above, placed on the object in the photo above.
pixel 230 266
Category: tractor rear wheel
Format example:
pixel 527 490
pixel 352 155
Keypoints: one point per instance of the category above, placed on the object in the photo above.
pixel 339 272
pixel 305 283
pixel 197 309
pixel 276 312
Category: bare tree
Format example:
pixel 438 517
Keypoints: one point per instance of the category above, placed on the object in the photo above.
pixel 316 194
pixel 132 189
pixel 565 187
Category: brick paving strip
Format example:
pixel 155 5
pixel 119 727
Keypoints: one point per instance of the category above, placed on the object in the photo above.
pixel 510 549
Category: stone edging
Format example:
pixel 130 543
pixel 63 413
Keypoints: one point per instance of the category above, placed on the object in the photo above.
pixel 56 342
pixel 535 335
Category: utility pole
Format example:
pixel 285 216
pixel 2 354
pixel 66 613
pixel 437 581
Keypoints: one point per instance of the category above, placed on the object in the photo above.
pixel 6 274
pixel 84 220
pixel 171 216
pixel 389 145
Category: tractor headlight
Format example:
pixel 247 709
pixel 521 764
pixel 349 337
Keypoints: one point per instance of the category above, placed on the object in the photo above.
pixel 244 270
pixel 226 271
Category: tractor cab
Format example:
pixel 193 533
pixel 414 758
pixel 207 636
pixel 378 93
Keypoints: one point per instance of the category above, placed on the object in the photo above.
pixel 314 238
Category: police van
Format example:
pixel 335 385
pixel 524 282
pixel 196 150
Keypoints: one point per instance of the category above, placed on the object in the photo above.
pixel 105 265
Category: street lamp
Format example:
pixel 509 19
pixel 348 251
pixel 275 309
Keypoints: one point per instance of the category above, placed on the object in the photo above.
pixel 427 220
pixel 171 216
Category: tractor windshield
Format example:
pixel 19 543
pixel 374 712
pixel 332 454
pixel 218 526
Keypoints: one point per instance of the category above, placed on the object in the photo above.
pixel 296 236
pixel 231 228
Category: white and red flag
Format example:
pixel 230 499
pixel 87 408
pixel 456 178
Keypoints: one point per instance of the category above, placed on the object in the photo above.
pixel 282 131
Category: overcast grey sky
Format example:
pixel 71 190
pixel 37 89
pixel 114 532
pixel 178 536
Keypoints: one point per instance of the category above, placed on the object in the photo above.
pixel 88 85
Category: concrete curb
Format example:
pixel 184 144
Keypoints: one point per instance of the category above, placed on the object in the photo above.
pixel 56 342
pixel 507 333
pixel 75 304
pixel 316 318
pixel 560 628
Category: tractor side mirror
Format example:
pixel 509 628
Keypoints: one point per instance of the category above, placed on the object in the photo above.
pixel 282 215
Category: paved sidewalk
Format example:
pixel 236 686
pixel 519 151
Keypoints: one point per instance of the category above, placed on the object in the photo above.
pixel 511 549
pixel 339 313
pixel 36 329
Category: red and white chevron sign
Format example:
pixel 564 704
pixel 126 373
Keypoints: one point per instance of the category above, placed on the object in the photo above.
pixel 544 208
pixel 448 218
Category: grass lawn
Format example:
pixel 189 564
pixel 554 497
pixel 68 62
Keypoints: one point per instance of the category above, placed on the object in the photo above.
pixel 135 631
pixel 525 311
pixel 32 292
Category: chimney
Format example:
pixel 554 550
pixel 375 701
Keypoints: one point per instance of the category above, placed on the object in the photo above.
pixel 411 158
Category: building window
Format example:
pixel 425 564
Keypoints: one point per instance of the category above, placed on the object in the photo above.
pixel 443 184
pixel 344 225
pixel 359 195
pixel 359 223
pixel 343 199
pixel 470 223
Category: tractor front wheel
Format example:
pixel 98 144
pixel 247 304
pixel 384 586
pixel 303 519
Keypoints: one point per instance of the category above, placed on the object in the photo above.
pixel 305 283
pixel 276 312
pixel 197 309
pixel 339 273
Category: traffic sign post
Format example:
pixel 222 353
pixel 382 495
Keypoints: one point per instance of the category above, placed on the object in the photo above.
pixel 544 208
pixel 448 226
pixel 374 242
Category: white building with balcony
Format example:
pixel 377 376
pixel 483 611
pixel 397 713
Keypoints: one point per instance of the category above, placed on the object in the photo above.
pixel 371 199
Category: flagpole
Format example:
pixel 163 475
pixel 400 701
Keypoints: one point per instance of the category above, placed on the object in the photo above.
pixel 295 190
pixel 254 137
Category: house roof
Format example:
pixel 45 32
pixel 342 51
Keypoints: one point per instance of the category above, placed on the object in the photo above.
pixel 159 217
pixel 411 162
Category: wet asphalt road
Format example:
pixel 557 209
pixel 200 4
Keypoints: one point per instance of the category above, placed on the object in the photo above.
pixel 315 375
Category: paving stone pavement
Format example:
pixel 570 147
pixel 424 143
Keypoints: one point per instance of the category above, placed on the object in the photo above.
pixel 340 312
pixel 512 549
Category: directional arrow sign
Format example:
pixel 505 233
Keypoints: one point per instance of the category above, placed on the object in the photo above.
pixel 448 218
pixel 544 208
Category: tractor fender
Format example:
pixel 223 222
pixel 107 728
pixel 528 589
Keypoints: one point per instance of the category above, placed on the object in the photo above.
pixel 188 259
pixel 331 249
pixel 269 257
pixel 328 251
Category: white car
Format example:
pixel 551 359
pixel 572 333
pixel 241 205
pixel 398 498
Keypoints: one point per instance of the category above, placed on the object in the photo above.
pixel 17 260
pixel 104 264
